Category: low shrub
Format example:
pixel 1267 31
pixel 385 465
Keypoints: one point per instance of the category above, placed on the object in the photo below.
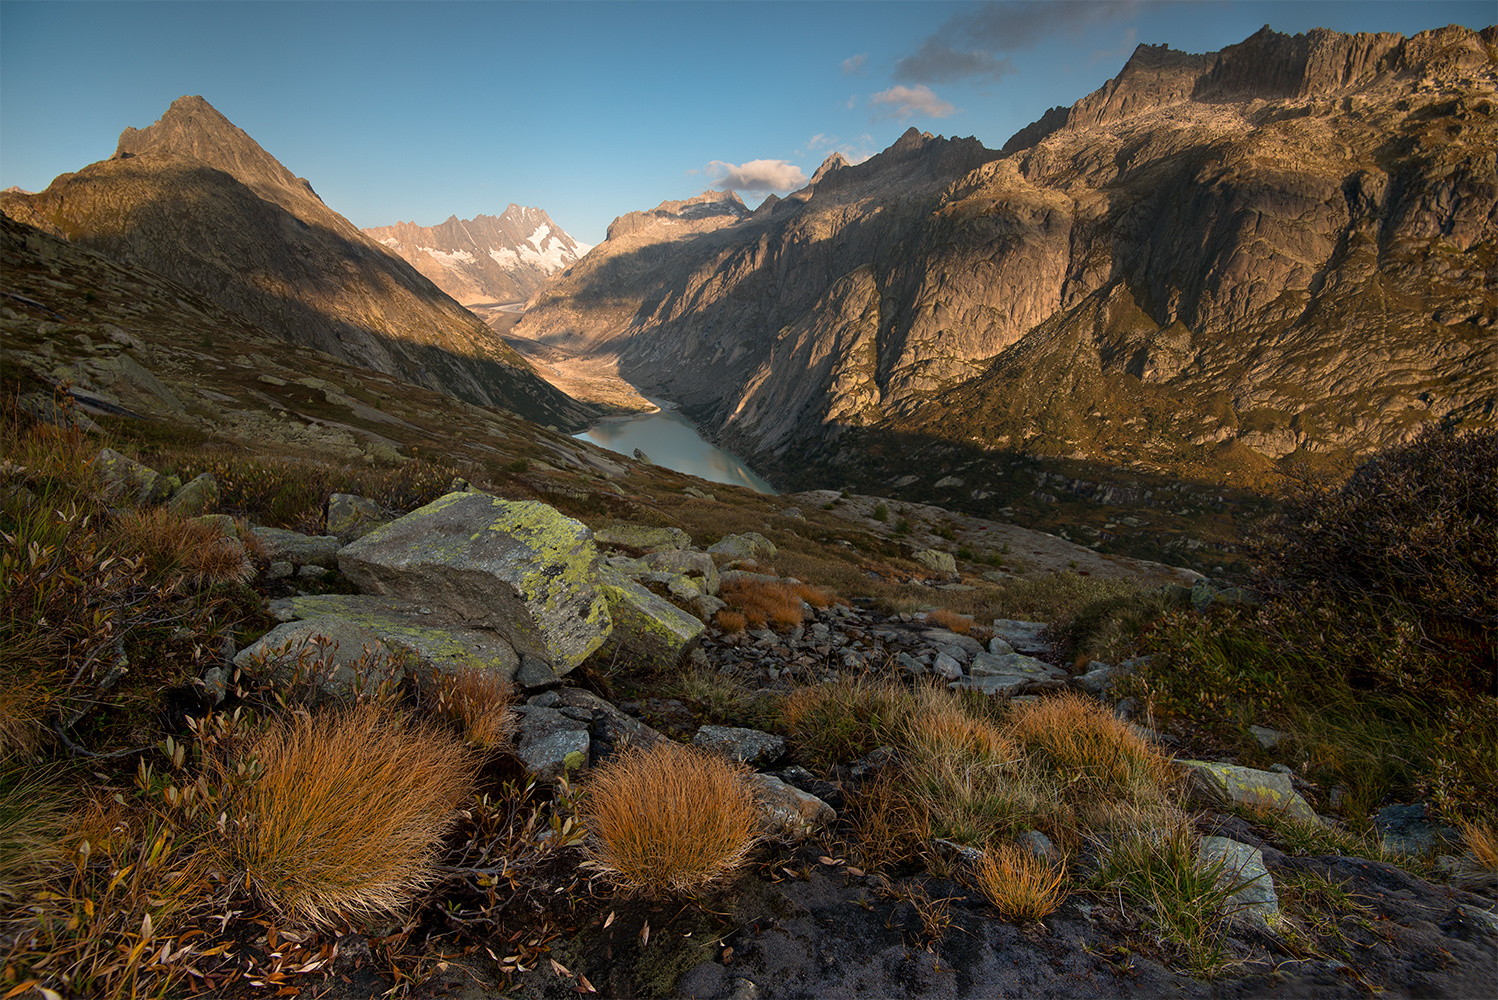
pixel 345 811
pixel 881 512
pixel 669 819
pixel 477 703
pixel 1018 884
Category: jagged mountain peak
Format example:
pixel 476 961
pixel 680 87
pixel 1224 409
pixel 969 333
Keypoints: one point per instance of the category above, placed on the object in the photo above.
pixel 195 129
pixel 488 258
pixel 834 162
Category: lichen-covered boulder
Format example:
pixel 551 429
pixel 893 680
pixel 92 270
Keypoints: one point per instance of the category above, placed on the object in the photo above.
pixel 199 496
pixel 327 657
pixel 522 569
pixel 128 481
pixel 433 643
pixel 352 517
pixel 1214 784
pixel 750 545
pixel 1254 900
pixel 648 630
pixel 552 744
pixel 943 564
pixel 642 538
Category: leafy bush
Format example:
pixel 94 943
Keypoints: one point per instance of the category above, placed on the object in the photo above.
pixel 1411 533
pixel 669 819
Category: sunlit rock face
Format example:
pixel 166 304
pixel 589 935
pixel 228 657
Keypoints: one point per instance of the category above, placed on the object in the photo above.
pixel 1286 248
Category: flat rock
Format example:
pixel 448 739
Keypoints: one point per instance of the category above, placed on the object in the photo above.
pixel 746 746
pixel 1014 665
pixel 434 643
pixel 645 539
pixel 299 549
pixel 1000 685
pixel 1216 783
pixel 521 569
pixel 1023 637
pixel 335 658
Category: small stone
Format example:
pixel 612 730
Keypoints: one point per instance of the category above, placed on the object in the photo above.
pixel 1038 844
pixel 215 684
pixel 788 813
pixel 1267 738
pixel 534 673
pixel 947 667
pixel 198 497
pixel 747 746
pixel 1255 900
pixel 279 570
pixel 313 573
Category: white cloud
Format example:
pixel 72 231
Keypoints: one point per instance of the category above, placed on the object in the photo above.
pixel 910 102
pixel 756 175
pixel 854 65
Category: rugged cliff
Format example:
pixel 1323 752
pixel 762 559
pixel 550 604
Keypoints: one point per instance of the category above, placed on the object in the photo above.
pixel 194 198
pixel 1285 250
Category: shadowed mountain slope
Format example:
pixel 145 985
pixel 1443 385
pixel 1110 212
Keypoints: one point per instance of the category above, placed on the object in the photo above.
pixel 194 198
pixel 1280 253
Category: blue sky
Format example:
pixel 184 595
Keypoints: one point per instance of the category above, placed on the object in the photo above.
pixel 414 112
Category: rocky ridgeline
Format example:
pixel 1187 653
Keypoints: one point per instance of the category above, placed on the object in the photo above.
pixel 473 582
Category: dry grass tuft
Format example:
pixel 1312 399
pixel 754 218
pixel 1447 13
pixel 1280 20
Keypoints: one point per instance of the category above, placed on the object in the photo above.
pixel 950 620
pixel 731 621
pixel 346 811
pixel 478 703
pixel 177 549
pixel 1018 884
pixel 938 727
pixel 32 824
pixel 1084 742
pixel 670 819
pixel 838 722
pixel 1479 866
pixel 774 602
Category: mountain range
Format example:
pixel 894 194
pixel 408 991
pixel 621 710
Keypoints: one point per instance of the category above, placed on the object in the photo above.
pixel 486 259
pixel 195 199
pixel 1274 256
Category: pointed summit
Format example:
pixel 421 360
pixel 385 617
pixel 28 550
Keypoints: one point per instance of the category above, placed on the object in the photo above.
pixel 195 129
pixel 834 162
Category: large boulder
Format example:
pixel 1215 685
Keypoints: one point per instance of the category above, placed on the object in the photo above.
pixel 688 564
pixel 351 517
pixel 648 630
pixel 522 569
pixel 433 643
pixel 127 481
pixel 1227 784
pixel 750 545
pixel 328 658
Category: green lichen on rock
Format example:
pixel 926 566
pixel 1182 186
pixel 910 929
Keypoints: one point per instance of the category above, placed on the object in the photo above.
pixel 649 630
pixel 519 568
pixel 1227 783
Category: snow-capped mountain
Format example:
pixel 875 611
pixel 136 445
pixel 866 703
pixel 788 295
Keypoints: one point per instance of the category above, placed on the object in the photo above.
pixel 486 258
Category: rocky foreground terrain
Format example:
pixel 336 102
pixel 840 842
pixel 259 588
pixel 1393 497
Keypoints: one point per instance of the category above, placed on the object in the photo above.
pixel 1276 256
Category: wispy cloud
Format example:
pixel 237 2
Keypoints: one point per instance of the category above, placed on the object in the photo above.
pixel 1125 48
pixel 853 65
pixel 756 175
pixel 909 102
pixel 972 44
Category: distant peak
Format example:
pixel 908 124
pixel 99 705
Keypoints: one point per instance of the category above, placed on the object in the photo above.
pixel 913 138
pixel 834 162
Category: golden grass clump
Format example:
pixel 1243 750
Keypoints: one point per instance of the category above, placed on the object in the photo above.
pixel 937 726
pixel 175 549
pixel 1018 884
pixel 1087 744
pixel 669 819
pixel 950 620
pixel 479 704
pixel 774 602
pixel 1479 865
pixel 731 621
pixel 347 810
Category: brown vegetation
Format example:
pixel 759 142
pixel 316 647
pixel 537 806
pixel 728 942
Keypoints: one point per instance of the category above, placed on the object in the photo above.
pixel 1018 884
pixel 670 819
